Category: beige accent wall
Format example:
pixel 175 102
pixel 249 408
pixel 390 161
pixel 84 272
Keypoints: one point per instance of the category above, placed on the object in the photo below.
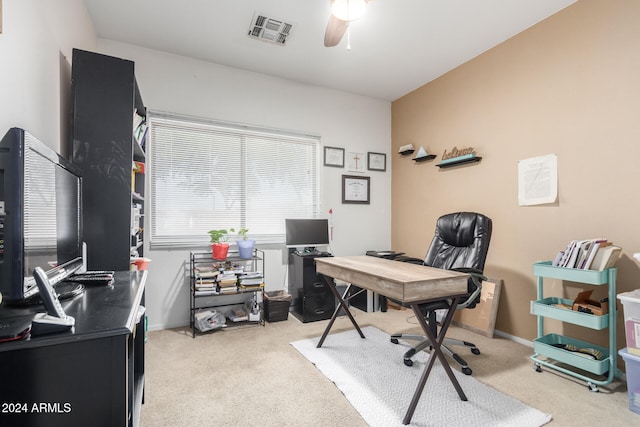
pixel 570 86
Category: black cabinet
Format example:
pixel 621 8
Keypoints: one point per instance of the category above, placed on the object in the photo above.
pixel 311 296
pixel 92 375
pixel 107 109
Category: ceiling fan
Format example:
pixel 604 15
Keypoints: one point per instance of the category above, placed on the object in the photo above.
pixel 342 12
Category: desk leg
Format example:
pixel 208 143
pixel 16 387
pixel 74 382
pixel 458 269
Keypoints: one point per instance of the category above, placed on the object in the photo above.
pixel 341 304
pixel 437 351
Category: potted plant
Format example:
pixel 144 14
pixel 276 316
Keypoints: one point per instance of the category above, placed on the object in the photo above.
pixel 245 245
pixel 219 245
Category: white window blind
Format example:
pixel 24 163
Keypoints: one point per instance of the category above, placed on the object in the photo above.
pixel 211 175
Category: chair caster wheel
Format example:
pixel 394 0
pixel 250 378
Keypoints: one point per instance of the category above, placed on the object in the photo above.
pixel 475 351
pixel 467 371
pixel 593 388
pixel 394 340
pixel 408 362
pixel 537 367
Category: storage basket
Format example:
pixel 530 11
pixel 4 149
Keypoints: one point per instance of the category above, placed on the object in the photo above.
pixel 631 308
pixel 632 364
pixel 276 306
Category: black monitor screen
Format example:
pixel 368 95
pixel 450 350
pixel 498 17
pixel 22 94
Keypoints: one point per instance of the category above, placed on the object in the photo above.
pixel 306 232
pixel 40 215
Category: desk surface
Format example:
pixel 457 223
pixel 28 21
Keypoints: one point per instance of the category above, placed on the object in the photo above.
pixel 401 281
pixel 100 312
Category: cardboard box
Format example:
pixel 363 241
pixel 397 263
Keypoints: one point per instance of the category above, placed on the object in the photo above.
pixel 584 304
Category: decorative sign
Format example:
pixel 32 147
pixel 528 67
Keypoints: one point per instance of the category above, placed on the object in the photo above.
pixel 458 156
pixel 457 153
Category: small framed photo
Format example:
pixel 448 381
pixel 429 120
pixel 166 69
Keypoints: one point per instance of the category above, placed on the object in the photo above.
pixel 356 189
pixel 356 162
pixel 376 161
pixel 334 157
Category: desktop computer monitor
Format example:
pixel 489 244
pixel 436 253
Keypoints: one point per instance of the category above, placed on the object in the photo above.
pixel 40 215
pixel 306 233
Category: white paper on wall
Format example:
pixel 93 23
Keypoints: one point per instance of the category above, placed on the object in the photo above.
pixel 538 180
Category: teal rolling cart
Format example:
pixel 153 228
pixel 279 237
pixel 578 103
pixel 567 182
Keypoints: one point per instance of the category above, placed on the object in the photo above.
pixel 550 349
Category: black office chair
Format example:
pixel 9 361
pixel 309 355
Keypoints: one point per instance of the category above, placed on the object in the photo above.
pixel 461 243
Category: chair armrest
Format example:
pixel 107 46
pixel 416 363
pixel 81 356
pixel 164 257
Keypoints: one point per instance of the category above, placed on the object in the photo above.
pixel 477 278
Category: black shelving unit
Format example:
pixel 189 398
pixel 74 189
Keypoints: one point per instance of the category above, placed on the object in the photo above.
pixel 219 301
pixel 105 99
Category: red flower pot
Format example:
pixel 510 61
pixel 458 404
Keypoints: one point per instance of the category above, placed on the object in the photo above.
pixel 219 250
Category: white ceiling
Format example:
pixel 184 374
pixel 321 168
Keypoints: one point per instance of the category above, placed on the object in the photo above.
pixel 398 46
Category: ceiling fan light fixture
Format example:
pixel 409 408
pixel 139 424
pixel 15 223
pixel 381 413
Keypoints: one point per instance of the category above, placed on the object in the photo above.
pixel 348 10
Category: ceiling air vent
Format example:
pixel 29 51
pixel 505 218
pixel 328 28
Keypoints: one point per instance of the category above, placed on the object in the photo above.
pixel 269 29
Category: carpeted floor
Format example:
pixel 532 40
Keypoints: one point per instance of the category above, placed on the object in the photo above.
pixel 253 377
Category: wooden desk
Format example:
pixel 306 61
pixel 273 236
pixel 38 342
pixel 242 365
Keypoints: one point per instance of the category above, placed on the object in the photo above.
pixel 408 283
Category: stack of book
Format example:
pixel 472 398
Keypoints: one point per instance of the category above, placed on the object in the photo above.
pixel 237 315
pixel 251 280
pixel 227 282
pixel 205 282
pixel 590 254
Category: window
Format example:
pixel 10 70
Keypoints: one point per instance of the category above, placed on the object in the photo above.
pixel 211 175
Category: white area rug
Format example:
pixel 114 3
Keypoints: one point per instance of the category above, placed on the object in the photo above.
pixel 371 374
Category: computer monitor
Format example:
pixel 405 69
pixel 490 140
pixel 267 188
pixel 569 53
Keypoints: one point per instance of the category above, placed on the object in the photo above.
pixel 40 215
pixel 306 233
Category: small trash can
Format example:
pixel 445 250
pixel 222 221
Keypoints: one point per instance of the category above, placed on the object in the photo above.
pixel 276 306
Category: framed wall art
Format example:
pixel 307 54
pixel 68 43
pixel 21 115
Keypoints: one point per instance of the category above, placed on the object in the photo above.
pixel 334 157
pixel 356 189
pixel 376 161
pixel 356 162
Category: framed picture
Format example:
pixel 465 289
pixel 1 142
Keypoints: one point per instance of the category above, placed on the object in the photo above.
pixel 376 161
pixel 356 189
pixel 334 157
pixel 356 162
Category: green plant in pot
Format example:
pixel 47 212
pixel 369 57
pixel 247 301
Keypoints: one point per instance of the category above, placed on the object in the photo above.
pixel 245 245
pixel 219 245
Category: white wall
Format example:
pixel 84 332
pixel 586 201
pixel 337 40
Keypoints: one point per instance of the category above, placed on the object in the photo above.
pixel 35 48
pixel 35 71
pixel 187 86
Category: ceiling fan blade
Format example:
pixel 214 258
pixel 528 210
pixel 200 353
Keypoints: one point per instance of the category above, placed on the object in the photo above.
pixel 335 30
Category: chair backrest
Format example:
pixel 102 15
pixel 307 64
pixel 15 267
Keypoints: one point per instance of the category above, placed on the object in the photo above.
pixel 461 240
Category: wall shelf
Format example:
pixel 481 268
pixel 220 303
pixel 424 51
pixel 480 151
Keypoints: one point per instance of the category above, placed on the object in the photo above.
pixel 424 158
pixel 459 162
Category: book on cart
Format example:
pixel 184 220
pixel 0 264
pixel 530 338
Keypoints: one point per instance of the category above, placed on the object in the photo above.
pixel 588 254
pixel 606 257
